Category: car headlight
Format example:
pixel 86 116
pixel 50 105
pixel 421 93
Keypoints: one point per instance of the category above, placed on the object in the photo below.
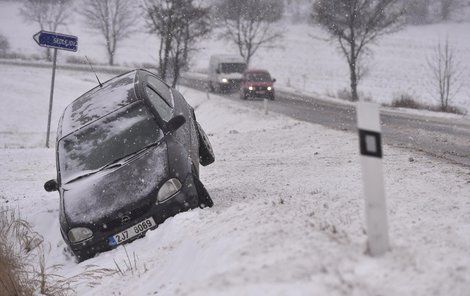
pixel 270 88
pixel 170 188
pixel 250 88
pixel 79 234
pixel 224 80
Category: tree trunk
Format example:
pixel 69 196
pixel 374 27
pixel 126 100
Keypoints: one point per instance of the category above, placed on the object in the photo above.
pixel 353 72
pixel 166 56
pixel 354 95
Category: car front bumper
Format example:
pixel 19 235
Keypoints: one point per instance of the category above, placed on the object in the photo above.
pixel 184 200
pixel 260 93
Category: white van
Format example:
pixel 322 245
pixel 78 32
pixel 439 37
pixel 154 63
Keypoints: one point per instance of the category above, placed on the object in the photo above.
pixel 225 72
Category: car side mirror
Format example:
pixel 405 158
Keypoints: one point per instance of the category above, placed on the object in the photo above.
pixel 51 185
pixel 174 124
pixel 217 71
pixel 274 79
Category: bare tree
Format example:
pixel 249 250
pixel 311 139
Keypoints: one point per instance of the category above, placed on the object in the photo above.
pixel 445 74
pixel 447 7
pixel 179 24
pixel 114 19
pixel 418 11
pixel 249 24
pixel 48 14
pixel 354 24
pixel 4 45
pixel 194 26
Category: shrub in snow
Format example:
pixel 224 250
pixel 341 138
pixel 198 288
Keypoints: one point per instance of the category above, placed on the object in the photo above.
pixel 4 45
pixel 445 74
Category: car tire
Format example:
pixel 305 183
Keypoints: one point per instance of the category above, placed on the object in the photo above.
pixel 204 198
pixel 206 154
pixel 81 256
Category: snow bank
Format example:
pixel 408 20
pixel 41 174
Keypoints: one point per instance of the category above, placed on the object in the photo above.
pixel 288 215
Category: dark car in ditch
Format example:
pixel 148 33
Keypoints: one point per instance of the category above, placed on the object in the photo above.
pixel 127 157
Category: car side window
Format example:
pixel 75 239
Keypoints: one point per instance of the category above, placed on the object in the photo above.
pixel 162 107
pixel 161 88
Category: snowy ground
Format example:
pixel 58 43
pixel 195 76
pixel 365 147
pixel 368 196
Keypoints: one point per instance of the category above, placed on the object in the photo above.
pixel 288 215
pixel 302 60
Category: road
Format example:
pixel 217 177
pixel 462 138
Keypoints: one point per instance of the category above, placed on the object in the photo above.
pixel 444 138
pixel 439 137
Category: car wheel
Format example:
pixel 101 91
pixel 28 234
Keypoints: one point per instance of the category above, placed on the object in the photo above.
pixel 81 256
pixel 205 199
pixel 206 154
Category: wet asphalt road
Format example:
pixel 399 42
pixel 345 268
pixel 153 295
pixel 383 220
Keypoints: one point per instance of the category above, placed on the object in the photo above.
pixel 444 138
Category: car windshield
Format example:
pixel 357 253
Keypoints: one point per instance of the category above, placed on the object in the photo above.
pixel 232 68
pixel 112 137
pixel 259 77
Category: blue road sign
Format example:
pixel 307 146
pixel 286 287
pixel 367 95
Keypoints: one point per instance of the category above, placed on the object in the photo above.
pixel 56 40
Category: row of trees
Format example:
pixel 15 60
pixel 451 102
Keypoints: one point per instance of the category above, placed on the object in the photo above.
pixel 180 25
pixel 355 24
pixel 427 11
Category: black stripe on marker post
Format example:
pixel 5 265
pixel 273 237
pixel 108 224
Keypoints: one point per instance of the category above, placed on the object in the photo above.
pixel 370 143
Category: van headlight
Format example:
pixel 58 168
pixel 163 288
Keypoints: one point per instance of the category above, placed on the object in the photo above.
pixel 79 234
pixel 168 189
pixel 224 80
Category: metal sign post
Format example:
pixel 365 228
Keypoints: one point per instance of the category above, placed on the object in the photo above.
pixel 51 98
pixel 370 141
pixel 55 41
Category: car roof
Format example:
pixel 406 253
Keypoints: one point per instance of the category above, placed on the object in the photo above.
pixel 99 102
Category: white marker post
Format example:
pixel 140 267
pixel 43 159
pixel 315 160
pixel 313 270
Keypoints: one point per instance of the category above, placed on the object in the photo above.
pixel 265 104
pixel 370 140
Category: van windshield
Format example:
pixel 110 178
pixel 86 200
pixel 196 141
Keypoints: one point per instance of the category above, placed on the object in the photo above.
pixel 232 68
pixel 112 137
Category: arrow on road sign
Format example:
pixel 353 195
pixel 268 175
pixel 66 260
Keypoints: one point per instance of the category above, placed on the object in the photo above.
pixel 56 40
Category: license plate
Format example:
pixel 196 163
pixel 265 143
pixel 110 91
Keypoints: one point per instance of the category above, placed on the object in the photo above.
pixel 261 92
pixel 131 232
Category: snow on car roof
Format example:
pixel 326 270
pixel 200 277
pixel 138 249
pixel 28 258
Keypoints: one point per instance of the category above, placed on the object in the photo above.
pixel 98 102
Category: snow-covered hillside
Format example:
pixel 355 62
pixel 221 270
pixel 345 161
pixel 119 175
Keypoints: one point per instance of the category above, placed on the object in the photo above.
pixel 288 215
pixel 302 59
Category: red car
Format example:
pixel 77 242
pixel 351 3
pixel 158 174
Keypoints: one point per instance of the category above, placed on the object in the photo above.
pixel 257 83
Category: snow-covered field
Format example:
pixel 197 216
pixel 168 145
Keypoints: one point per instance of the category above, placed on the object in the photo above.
pixel 288 215
pixel 302 59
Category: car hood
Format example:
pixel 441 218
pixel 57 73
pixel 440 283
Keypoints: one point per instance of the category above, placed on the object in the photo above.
pixel 106 193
